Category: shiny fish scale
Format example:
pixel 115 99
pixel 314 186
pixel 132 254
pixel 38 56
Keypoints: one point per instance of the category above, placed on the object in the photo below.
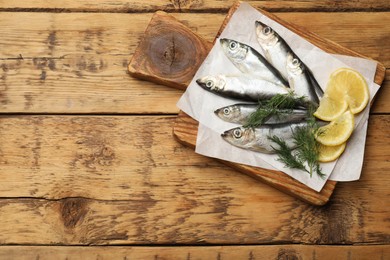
pixel 244 87
pixel 299 79
pixel 256 139
pixel 239 114
pixel 280 55
pixel 249 61
pixel 274 47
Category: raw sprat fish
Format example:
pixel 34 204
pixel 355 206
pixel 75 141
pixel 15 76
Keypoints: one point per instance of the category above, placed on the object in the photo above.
pixel 257 139
pixel 274 47
pixel 281 56
pixel 299 79
pixel 285 92
pixel 243 87
pixel 249 61
pixel 239 114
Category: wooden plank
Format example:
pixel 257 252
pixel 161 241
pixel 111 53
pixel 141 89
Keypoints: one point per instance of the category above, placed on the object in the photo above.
pixel 382 104
pixel 123 156
pixel 76 62
pixel 169 53
pixel 374 252
pixel 185 131
pixel 89 150
pixel 80 84
pixel 186 6
pixel 55 34
pixel 125 180
pixel 185 128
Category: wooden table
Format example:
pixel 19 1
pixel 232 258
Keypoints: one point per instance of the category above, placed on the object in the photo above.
pixel 89 167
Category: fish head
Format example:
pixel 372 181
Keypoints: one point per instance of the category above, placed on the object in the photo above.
pixel 212 83
pixel 228 113
pixel 294 64
pixel 234 50
pixel 265 34
pixel 240 137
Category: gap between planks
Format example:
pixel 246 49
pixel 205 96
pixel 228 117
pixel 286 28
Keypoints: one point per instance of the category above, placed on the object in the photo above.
pixel 189 252
pixel 176 11
pixel 211 6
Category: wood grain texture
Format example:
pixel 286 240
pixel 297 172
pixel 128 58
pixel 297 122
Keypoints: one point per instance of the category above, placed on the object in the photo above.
pixel 125 180
pixel 169 53
pixel 84 70
pixel 282 252
pixel 185 131
pixel 381 103
pixel 190 5
pixel 327 45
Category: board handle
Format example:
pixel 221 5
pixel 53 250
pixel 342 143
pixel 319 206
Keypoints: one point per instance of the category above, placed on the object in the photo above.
pixel 169 53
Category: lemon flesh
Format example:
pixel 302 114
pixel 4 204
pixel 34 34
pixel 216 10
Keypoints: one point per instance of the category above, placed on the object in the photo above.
pixel 330 153
pixel 337 131
pixel 330 108
pixel 351 86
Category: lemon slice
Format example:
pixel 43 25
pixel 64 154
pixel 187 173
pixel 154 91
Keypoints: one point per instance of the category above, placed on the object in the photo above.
pixel 330 108
pixel 330 153
pixel 351 86
pixel 338 131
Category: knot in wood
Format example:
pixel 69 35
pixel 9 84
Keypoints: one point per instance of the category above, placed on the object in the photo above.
pixel 171 54
pixel 106 156
pixel 288 254
pixel 73 211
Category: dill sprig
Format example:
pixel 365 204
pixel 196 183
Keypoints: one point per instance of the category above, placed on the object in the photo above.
pixel 278 104
pixel 285 154
pixel 305 155
pixel 308 147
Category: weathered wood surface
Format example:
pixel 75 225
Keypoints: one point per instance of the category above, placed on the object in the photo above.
pixel 169 53
pixel 125 180
pixel 79 180
pixel 185 131
pixel 189 5
pixel 282 252
pixel 84 70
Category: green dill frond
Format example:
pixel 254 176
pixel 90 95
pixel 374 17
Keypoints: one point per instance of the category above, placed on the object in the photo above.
pixel 287 101
pixel 320 173
pixel 285 154
pixel 307 147
pixel 259 116
pixel 277 105
pixel 306 152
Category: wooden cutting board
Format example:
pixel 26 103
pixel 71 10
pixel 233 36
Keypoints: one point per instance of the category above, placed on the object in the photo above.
pixel 170 54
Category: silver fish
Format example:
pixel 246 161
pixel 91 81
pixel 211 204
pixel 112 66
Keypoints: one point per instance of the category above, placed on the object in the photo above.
pixel 249 61
pixel 257 139
pixel 243 87
pixel 274 47
pixel 277 52
pixel 239 114
pixel 300 80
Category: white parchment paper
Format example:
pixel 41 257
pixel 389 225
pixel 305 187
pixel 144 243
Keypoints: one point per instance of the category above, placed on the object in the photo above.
pixel 200 104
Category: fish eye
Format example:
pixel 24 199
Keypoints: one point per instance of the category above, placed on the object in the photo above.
pixel 226 111
pixel 209 84
pixel 233 45
pixel 267 30
pixel 237 133
pixel 295 62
